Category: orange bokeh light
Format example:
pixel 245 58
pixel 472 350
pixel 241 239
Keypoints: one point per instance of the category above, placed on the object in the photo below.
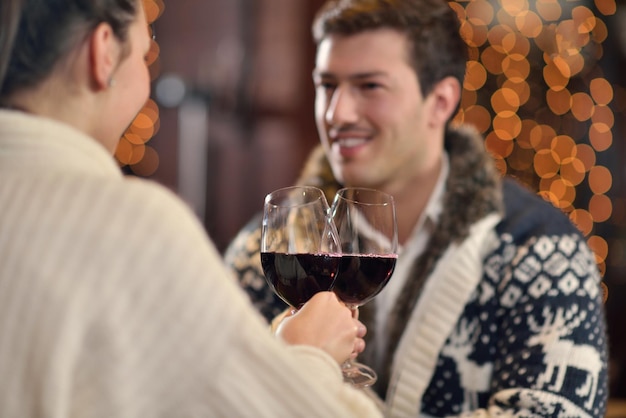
pixel 586 155
pixel 528 23
pixel 523 139
pixel 507 125
pixel 600 32
pixel 545 163
pixel 153 9
pixel 515 43
pixel 497 146
pixel 148 164
pixel 582 106
pixel 564 191
pixel 549 10
pixel 600 207
pixel 480 10
pixel 583 220
pixel 516 67
pixel 553 76
pixel 476 76
pixel 573 170
pixel 492 60
pixel 601 91
pixel 606 7
pixel 541 136
pixel 478 116
pixel 505 100
pixel 521 89
pixel 603 115
pixel 599 246
pixel 559 101
pixel 584 19
pixel 564 147
pixel 600 179
pixel 600 136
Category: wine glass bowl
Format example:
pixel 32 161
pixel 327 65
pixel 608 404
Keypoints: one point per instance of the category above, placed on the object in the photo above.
pixel 367 229
pixel 299 244
pixel 368 276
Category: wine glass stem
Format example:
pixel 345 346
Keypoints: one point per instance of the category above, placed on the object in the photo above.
pixel 354 308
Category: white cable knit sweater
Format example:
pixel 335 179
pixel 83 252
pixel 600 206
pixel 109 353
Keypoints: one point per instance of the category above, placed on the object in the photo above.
pixel 113 302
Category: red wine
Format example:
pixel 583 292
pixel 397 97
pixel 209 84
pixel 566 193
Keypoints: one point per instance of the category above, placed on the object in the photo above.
pixel 297 277
pixel 361 277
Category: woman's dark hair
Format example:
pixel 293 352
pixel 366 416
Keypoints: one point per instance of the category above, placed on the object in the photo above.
pixel 36 34
pixel 431 26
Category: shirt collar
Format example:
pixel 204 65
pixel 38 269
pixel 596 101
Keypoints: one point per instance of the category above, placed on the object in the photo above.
pixel 434 206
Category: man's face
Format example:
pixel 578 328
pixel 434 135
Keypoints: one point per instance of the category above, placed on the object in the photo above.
pixel 372 119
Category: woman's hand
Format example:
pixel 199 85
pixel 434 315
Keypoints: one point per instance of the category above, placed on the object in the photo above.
pixel 326 323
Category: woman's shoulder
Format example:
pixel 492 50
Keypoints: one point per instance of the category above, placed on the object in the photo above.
pixel 148 199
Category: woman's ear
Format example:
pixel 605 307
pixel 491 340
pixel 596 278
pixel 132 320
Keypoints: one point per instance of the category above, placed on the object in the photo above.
pixel 104 55
pixel 445 95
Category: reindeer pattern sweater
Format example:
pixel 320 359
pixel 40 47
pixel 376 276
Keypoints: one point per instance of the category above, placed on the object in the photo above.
pixel 500 316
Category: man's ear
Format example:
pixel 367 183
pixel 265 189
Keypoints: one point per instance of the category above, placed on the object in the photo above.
pixel 104 55
pixel 445 95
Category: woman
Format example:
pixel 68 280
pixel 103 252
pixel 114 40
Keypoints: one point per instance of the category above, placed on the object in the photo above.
pixel 113 302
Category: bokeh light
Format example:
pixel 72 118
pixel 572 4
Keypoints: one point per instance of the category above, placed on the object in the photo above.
pixel 132 151
pixel 533 88
pixel 546 109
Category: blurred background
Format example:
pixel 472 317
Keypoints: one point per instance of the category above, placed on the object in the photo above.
pixel 231 113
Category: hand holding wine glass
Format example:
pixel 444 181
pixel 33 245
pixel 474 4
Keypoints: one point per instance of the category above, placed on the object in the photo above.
pixel 366 223
pixel 324 322
pixel 300 258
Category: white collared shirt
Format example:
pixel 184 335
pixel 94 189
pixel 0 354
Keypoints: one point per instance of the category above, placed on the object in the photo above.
pixel 406 257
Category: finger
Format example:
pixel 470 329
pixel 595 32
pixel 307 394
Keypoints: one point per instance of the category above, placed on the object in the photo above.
pixel 279 318
pixel 361 329
pixel 359 347
pixel 355 312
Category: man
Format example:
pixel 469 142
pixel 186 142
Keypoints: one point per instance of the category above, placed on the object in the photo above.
pixel 495 306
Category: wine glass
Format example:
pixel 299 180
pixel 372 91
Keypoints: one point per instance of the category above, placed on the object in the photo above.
pixel 366 222
pixel 299 244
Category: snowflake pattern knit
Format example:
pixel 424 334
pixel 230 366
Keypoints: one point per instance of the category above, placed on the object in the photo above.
pixel 533 322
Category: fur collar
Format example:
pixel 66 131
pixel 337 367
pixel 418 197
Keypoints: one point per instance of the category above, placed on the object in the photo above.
pixel 473 190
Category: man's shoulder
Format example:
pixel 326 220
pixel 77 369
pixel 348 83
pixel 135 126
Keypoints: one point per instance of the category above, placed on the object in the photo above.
pixel 247 241
pixel 243 252
pixel 528 213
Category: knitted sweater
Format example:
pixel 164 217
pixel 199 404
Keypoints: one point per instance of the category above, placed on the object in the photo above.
pixel 114 303
pixel 501 315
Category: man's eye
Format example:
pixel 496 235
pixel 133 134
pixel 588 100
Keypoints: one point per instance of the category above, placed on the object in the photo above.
pixel 370 86
pixel 326 86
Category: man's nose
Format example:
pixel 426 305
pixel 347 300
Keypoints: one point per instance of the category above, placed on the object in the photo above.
pixel 342 108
